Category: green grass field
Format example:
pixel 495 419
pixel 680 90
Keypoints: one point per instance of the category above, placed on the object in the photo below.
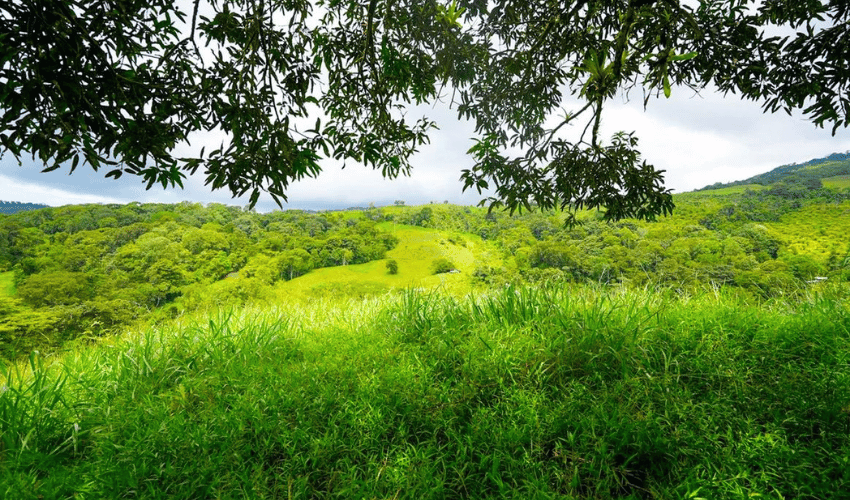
pixel 822 166
pixel 837 182
pixel 7 283
pixel 356 383
pixel 733 189
pixel 569 393
pixel 816 230
pixel 416 251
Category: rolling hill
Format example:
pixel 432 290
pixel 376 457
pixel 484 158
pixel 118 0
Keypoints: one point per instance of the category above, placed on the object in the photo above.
pixel 831 170
pixel 415 252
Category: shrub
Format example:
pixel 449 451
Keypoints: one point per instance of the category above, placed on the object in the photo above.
pixel 441 265
pixel 392 266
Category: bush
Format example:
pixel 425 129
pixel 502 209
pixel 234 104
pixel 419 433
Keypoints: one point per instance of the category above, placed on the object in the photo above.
pixel 441 265
pixel 392 266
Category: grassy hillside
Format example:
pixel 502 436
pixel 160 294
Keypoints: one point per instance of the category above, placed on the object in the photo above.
pixel 88 271
pixel 560 392
pixel 834 166
pixel 737 189
pixel 7 284
pixel 837 182
pixel 818 230
pixel 688 357
pixel 417 249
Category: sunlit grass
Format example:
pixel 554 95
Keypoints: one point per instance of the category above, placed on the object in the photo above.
pixel 837 182
pixel 734 189
pixel 522 393
pixel 816 230
pixel 416 250
pixel 7 283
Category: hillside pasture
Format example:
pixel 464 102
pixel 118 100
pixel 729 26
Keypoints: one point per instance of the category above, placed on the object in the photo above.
pixel 837 182
pixel 7 284
pixel 733 189
pixel 818 230
pixel 417 249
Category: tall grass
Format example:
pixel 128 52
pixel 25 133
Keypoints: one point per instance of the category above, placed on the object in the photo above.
pixel 517 393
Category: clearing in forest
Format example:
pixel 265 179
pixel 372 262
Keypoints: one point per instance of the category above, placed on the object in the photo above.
pixel 416 250
pixel 7 284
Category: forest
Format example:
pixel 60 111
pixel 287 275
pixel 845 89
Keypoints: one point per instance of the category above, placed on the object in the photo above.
pixel 92 269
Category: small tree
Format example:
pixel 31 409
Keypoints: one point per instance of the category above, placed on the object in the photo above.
pixel 392 266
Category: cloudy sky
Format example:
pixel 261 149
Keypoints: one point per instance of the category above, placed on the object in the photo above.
pixel 697 139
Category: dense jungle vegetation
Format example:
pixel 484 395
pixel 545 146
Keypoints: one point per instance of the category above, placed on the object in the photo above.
pixel 437 351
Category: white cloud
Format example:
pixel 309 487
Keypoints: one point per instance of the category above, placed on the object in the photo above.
pixel 53 195
pixel 708 139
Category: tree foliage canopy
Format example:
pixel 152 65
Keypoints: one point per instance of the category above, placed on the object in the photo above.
pixel 120 84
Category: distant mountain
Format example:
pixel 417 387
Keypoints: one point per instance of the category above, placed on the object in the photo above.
pixel 809 172
pixel 11 207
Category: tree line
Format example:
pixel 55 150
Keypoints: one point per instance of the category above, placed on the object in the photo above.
pixel 736 240
pixel 11 207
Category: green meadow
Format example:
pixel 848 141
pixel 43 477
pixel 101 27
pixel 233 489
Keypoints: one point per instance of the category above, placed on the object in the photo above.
pixel 546 392
pixel 7 284
pixel 739 189
pixel 815 230
pixel 415 253
pixel 837 182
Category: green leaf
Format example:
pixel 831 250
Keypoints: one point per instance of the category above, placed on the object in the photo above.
pixel 683 57
pixel 666 86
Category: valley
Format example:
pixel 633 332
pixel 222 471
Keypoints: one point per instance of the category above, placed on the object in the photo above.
pixel 190 351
